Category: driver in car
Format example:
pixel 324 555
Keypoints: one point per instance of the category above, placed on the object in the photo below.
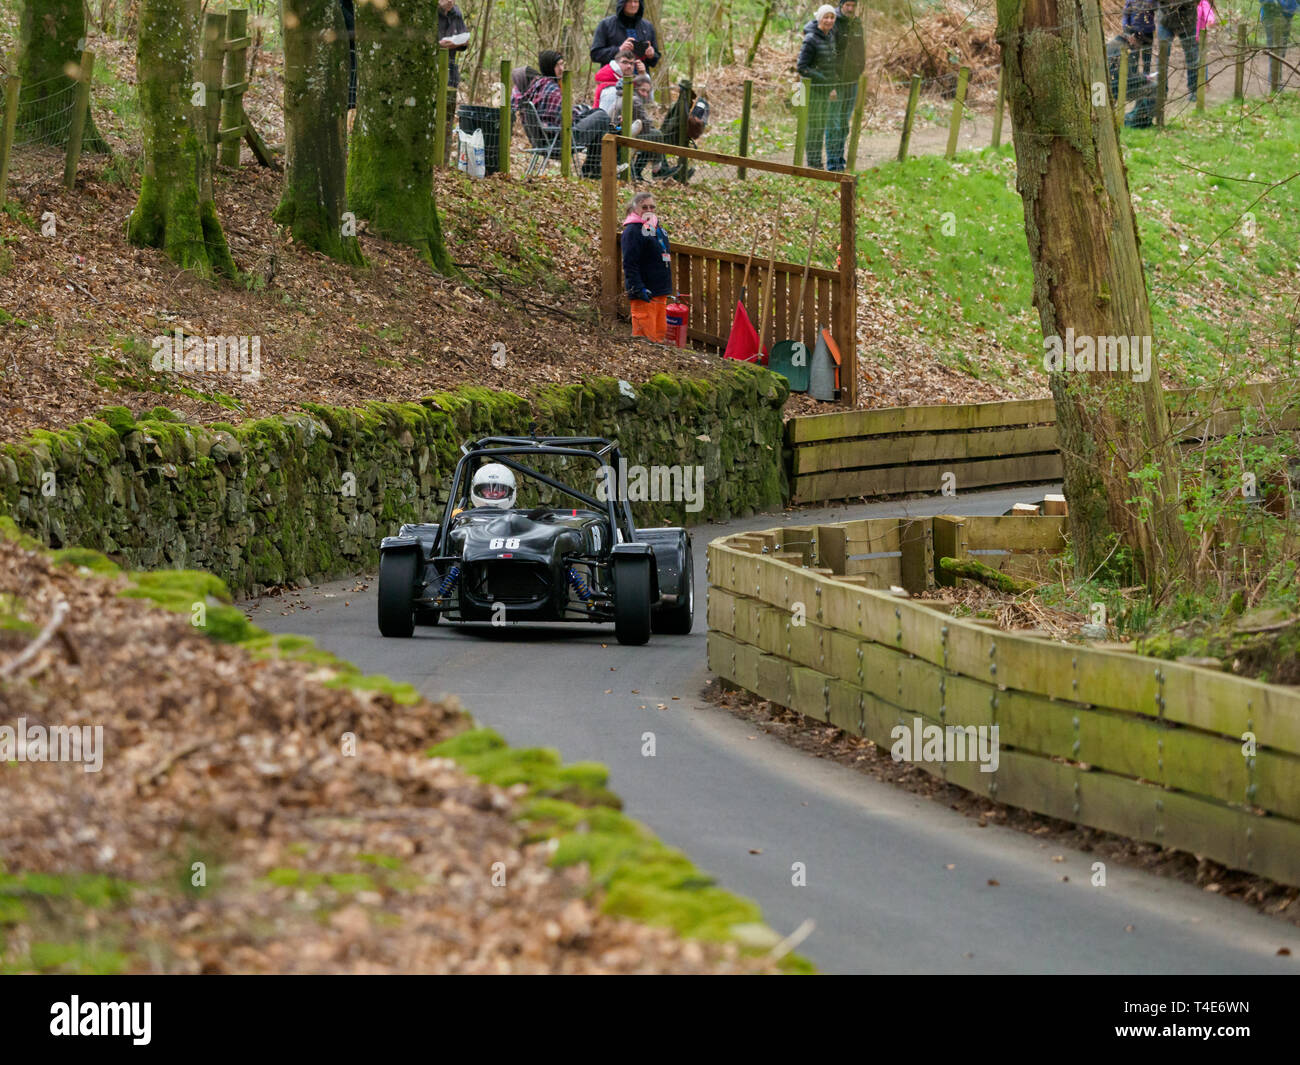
pixel 493 486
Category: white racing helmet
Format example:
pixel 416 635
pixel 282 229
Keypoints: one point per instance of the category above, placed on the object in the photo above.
pixel 493 486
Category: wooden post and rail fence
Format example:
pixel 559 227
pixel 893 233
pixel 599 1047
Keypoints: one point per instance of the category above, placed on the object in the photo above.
pixel 709 279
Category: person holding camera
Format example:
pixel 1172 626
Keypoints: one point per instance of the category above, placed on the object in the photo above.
pixel 625 35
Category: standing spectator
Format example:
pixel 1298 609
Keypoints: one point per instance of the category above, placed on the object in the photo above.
pixel 453 35
pixel 589 123
pixel 625 35
pixel 851 61
pixel 1138 28
pixel 647 268
pixel 1276 17
pixel 817 64
pixel 1177 18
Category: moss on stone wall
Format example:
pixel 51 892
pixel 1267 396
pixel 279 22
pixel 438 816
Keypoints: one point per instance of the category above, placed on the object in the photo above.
pixel 309 494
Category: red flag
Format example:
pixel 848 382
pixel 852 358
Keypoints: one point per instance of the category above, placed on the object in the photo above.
pixel 743 342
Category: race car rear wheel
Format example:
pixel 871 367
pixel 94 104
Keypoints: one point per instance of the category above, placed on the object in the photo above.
pixel 632 601
pixel 677 620
pixel 396 591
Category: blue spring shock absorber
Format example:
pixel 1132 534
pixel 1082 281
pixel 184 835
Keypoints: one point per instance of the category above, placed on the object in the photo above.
pixel 448 581
pixel 579 583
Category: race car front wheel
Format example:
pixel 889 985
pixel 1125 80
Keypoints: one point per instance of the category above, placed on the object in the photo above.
pixel 396 591
pixel 632 600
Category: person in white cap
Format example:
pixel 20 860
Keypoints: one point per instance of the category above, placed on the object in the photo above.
pixel 817 62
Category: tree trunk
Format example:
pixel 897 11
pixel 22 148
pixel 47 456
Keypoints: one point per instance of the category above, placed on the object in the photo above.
pixel 482 52
pixel 315 128
pixel 1090 291
pixel 52 36
pixel 390 165
pixel 175 211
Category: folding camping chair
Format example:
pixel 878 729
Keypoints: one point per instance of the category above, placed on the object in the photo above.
pixel 545 140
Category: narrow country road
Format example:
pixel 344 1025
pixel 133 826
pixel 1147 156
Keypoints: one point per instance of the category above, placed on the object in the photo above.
pixel 895 882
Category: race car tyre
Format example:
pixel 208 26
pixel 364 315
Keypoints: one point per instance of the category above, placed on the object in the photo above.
pixel 396 590
pixel 632 601
pixel 677 620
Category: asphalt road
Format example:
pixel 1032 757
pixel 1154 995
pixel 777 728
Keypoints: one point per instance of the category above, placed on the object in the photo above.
pixel 895 883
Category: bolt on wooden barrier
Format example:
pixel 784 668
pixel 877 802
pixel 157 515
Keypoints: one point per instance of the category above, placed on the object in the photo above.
pixel 77 126
pixel 566 125
pixel 855 135
pixel 998 109
pixel 909 116
pixel 746 102
pixel 507 119
pixel 236 84
pixel 13 86
pixel 958 107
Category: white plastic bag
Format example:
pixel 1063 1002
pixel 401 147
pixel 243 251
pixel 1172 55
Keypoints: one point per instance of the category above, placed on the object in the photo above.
pixel 470 154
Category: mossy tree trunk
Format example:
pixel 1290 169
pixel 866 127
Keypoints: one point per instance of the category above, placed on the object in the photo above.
pixel 52 36
pixel 390 161
pixel 1088 279
pixel 315 126
pixel 175 211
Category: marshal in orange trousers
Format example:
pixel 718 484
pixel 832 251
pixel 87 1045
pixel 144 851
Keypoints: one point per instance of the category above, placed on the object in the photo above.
pixel 650 318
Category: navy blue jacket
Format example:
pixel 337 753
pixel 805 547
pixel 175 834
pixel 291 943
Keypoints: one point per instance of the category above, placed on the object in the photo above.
pixel 617 28
pixel 645 274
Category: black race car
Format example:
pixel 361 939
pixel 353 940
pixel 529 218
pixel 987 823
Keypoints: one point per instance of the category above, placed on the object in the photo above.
pixel 550 562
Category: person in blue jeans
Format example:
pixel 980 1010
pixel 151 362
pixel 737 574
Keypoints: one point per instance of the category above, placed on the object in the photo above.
pixel 817 63
pixel 1177 18
pixel 1276 18
pixel 851 61
pixel 1140 88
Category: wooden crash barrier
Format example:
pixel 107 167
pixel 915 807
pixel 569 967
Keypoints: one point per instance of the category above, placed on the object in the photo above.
pixel 1169 753
pixel 898 450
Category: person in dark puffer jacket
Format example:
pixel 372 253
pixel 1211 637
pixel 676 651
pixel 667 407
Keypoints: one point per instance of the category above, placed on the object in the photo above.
pixel 818 63
pixel 647 268
pixel 617 36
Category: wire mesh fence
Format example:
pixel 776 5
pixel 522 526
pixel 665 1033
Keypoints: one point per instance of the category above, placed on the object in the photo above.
pixel 849 124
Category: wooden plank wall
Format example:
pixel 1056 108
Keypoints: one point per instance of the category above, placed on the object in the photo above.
pixel 1146 748
pixel 898 450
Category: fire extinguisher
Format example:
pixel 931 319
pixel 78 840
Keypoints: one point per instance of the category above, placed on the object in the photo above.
pixel 678 317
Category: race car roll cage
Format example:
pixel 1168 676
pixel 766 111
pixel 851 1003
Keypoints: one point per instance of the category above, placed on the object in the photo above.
pixel 499 448
pixel 621 547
